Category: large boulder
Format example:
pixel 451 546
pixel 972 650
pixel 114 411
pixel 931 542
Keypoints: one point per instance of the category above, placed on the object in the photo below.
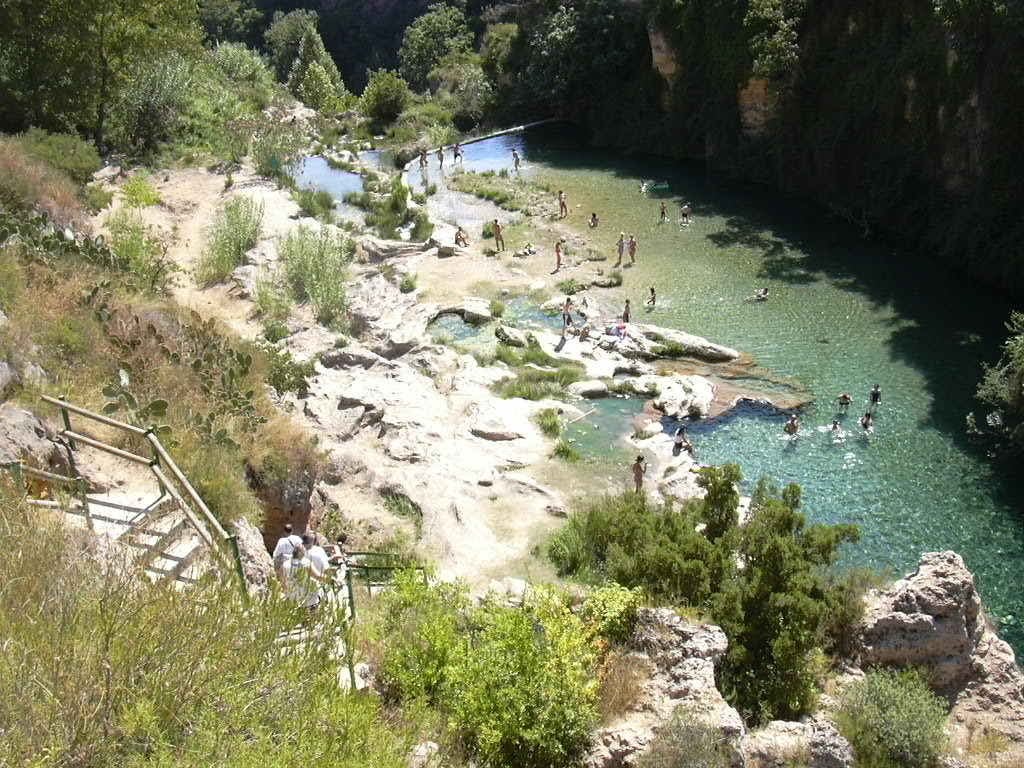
pixel 677 396
pixel 510 336
pixel 590 389
pixel 9 379
pixel 681 659
pixel 933 619
pixel 813 744
pixel 257 566
pixel 26 438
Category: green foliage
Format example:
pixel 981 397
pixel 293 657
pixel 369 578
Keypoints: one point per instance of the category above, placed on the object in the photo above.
pixel 313 77
pixel 893 720
pixel 96 198
pixel 385 96
pixel 1002 388
pixel 65 152
pixel 497 308
pixel 242 65
pixel 152 109
pixel 315 268
pixel 407 283
pixel 431 37
pixel 228 20
pixel 138 250
pixel 564 450
pixel 459 79
pixel 234 230
pixel 285 374
pixel 549 421
pixel 315 202
pixel 12 283
pixel 424 629
pixel 611 611
pixel 533 384
pixel 775 610
pixel 496 52
pixel 87 649
pixel 526 694
pixel 284 38
pixel 275 146
pixel 687 742
pixel 570 286
pixel 487 231
pixel 773 27
pixel 139 191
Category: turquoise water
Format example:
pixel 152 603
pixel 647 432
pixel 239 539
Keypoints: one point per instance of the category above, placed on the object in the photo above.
pixel 315 173
pixel 844 313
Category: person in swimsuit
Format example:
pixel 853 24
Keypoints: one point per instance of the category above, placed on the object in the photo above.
pixel 594 221
pixel 681 443
pixel 639 470
pixel 563 205
pixel 621 245
pixel 558 254
pixel 440 157
pixel 844 401
pixel 626 312
pixel 423 159
pixel 457 152
pixel 499 240
pixel 461 239
pixel 516 160
pixel 632 249
pixel 664 213
pixel 653 298
pixel 567 313
pixel 867 421
pixel 792 426
pixel 684 215
pixel 875 396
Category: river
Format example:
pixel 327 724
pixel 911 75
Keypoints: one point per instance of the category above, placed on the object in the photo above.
pixel 844 313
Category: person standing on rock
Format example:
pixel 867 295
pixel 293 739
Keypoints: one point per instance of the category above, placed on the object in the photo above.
pixel 558 253
pixel 423 159
pixel 499 240
pixel 567 314
pixel 626 312
pixel 639 470
pixel 684 215
pixel 440 158
pixel 516 160
pixel 621 246
pixel 632 249
pixel 563 205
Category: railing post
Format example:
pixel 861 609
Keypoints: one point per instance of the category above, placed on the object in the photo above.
pixel 236 556
pixel 67 426
pixel 351 594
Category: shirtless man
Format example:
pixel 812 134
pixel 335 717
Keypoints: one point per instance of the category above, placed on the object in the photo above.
pixel 440 157
pixel 639 470
pixel 684 215
pixel 558 254
pixel 516 160
pixel 423 159
pixel 460 238
pixel 664 213
pixel 626 311
pixel 499 240
pixel 457 152
pixel 563 205
pixel 621 245
pixel 632 249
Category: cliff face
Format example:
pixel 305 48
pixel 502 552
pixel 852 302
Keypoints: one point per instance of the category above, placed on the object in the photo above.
pixel 903 116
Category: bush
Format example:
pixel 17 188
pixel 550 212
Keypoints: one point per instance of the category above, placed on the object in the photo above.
pixel 315 202
pixel 385 96
pixel 570 286
pixel 234 231
pixel 549 421
pixel 313 76
pixel 611 611
pixel 286 375
pixel 422 227
pixel 67 153
pixel 272 303
pixel 431 37
pixel 12 282
pixel 532 384
pixel 275 147
pixel 242 65
pixel 96 197
pixel 687 742
pixel 407 283
pixel 526 694
pixel 487 231
pixel 893 720
pixel 138 251
pixel 316 267
pixel 566 451
pixel 139 191
pixel 497 308
pixel 284 36
pixel 153 106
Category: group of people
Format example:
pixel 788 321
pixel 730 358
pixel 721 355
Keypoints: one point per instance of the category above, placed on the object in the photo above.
pixel 457 157
pixel 867 421
pixel 305 568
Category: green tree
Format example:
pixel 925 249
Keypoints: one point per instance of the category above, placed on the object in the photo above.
pixel 229 20
pixel 496 50
pixel 1002 387
pixel 434 35
pixel 313 77
pixel 385 96
pixel 460 76
pixel 722 496
pixel 284 36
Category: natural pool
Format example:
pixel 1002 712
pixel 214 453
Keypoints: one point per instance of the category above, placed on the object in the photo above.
pixel 844 313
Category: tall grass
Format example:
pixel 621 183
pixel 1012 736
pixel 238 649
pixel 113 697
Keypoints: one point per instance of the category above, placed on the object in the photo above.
pixel 316 267
pixel 138 250
pixel 139 191
pixel 549 422
pixel 566 451
pixel 28 183
pixel 315 202
pixel 234 231
pixel 100 667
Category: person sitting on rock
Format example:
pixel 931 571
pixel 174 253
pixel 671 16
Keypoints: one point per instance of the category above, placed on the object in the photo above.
pixel 681 443
pixel 460 238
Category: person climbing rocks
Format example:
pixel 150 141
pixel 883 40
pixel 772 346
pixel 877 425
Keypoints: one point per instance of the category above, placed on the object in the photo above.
pixel 875 397
pixel 460 238
pixel 639 470
pixel 594 221
pixel 626 312
pixel 632 249
pixel 844 401
pixel 621 246
pixel 664 213
pixel 652 300
pixel 516 160
pixel 499 240
pixel 563 205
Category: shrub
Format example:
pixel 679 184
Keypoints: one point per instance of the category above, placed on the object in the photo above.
pixel 487 232
pixel 234 230
pixel 27 183
pixel 407 283
pixel 687 742
pixel 315 267
pixel 139 191
pixel 153 106
pixel 241 64
pixel 96 197
pixel 893 720
pixel 286 375
pixel 532 384
pixel 565 451
pixel 422 227
pixel 431 37
pixel 549 421
pixel 622 679
pixel 68 153
pixel 138 251
pixel 275 330
pixel 385 96
pixel 313 76
pixel 846 609
pixel 12 281
pixel 497 308
pixel 570 286
pixel 423 635
pixel 611 611
pixel 274 148
pixel 315 202
pixel 526 694
pixel 284 36
pixel 272 302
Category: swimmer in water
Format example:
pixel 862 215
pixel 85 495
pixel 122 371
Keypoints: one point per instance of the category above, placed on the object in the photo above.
pixel 844 401
pixel 594 221
pixel 867 421
pixel 875 397
pixel 792 426
pixel 653 298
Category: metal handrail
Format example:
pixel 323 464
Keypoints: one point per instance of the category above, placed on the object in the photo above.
pixel 206 525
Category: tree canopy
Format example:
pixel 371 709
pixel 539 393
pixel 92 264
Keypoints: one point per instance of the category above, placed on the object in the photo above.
pixel 431 37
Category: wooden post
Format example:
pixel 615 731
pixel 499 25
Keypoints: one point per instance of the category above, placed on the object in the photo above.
pixel 67 426
pixel 351 594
